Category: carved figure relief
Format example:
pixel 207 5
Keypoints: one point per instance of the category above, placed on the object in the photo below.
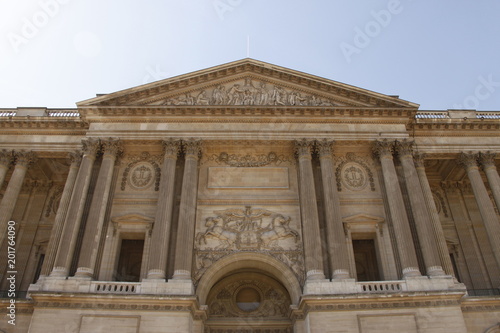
pixel 353 173
pixel 248 229
pixel 247 92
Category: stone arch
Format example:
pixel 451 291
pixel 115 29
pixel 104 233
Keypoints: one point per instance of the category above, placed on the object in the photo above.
pixel 250 260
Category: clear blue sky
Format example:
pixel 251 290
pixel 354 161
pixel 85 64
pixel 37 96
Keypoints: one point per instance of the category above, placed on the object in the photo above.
pixel 440 54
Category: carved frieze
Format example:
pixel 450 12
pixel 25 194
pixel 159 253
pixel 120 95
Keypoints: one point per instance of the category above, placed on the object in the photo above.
pixel 353 173
pixel 251 230
pixel 239 160
pixel 247 92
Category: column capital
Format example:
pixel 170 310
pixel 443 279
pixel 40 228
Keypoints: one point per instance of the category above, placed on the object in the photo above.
pixel 6 157
pixel 303 148
pixel 383 148
pixel 24 158
pixel 75 158
pixel 324 148
pixel 192 148
pixel 419 159
pixel 90 147
pixel 112 147
pixel 171 148
pixel 404 148
pixel 468 160
pixel 487 159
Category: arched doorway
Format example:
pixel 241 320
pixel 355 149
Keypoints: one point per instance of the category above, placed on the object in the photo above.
pixel 249 292
pixel 248 301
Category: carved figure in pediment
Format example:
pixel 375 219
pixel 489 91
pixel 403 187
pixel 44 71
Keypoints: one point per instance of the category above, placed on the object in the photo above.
pixel 279 229
pixel 187 99
pixel 262 94
pixel 219 95
pixel 202 98
pixel 235 95
pixel 278 96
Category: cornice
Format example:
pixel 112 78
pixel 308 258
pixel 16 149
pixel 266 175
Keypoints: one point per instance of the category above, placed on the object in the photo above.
pixel 455 129
pixel 91 112
pixel 478 304
pixel 249 67
pixel 44 123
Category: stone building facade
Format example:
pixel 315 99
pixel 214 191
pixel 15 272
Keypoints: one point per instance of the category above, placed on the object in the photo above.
pixel 249 198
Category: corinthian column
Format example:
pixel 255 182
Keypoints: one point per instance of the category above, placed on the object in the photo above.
pixel 395 202
pixel 486 209
pixel 55 236
pixel 163 219
pixel 187 213
pixel 5 162
pixel 434 216
pixel 23 160
pixel 419 210
pixel 75 210
pixel 488 162
pixel 309 212
pixel 337 248
pixel 93 229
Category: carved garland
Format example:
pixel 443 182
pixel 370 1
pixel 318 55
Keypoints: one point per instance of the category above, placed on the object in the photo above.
pixel 356 181
pixel 237 160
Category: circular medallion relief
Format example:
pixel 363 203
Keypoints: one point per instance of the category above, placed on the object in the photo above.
pixel 353 176
pixel 141 176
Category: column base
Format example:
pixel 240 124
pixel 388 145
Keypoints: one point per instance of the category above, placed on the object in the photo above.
pixel 435 271
pixel 340 274
pixel 411 272
pixel 84 273
pixel 59 272
pixel 181 274
pixel 156 274
pixel 315 274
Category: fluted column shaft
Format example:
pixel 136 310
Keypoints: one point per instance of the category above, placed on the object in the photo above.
pixel 23 160
pixel 337 247
pixel 5 162
pixel 95 220
pixel 488 162
pixel 419 210
pixel 434 217
pixel 395 202
pixel 309 213
pixel 73 218
pixel 163 219
pixel 486 209
pixel 187 212
pixel 62 210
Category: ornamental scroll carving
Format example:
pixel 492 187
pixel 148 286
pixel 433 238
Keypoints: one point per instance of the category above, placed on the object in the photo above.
pixel 271 301
pixel 249 230
pixel 237 160
pixel 354 174
pixel 248 92
pixel 142 172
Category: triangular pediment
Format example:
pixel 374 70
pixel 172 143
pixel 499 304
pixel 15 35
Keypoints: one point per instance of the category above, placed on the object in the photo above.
pixel 247 82
pixel 363 218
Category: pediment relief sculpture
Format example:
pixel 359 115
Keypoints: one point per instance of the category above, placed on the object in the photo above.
pixel 247 92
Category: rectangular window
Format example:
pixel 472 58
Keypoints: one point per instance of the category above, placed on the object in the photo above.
pixel 130 260
pixel 365 256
